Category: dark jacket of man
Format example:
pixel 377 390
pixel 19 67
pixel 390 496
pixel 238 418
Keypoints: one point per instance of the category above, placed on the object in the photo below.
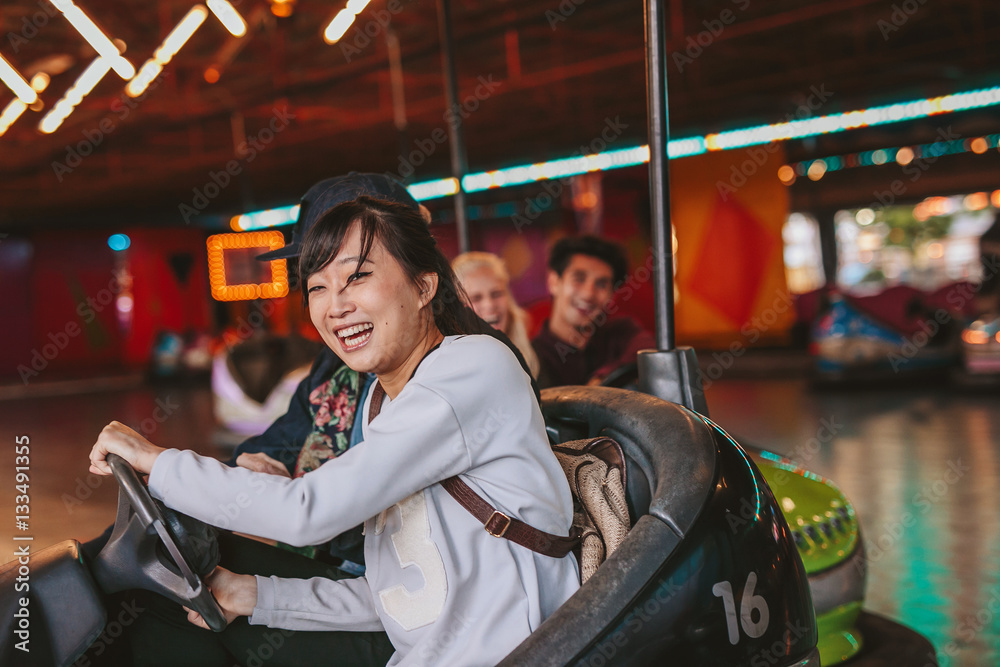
pixel 614 344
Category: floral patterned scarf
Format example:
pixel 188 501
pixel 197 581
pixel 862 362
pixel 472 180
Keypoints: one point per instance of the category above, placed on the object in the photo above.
pixel 333 406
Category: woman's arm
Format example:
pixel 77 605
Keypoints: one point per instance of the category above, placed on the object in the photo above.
pixel 235 593
pixel 296 604
pixel 315 604
pixel 416 442
pixel 117 438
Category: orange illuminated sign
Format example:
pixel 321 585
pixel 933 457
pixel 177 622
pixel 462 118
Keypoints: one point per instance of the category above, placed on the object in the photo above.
pixel 234 273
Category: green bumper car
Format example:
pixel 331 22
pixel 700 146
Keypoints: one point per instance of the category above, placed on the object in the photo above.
pixel 827 535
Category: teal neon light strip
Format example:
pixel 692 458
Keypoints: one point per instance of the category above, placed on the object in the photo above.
pixel 272 217
pixel 739 138
pixel 678 148
pixel 888 155
pixel 572 166
pixel 839 122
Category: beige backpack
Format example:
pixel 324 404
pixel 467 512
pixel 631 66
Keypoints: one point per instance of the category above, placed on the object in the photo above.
pixel 595 469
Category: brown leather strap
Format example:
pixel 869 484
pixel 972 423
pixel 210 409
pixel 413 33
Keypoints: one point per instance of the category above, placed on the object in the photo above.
pixel 495 522
pixel 499 524
pixel 378 395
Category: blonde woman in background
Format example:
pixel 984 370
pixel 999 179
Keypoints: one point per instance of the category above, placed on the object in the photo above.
pixel 485 280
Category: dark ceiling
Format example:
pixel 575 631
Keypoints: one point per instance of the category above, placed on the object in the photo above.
pixel 559 71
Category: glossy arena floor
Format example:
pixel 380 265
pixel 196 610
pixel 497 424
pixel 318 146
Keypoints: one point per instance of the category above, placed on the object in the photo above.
pixel 922 466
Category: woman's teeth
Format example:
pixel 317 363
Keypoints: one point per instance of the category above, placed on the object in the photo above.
pixel 356 329
pixel 353 336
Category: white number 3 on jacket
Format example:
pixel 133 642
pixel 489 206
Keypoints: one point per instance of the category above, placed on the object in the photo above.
pixel 413 546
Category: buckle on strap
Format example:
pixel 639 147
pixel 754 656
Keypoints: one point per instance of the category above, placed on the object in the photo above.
pixel 497 515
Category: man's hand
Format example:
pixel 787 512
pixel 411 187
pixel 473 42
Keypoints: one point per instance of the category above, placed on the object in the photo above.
pixel 235 593
pixel 116 438
pixel 261 462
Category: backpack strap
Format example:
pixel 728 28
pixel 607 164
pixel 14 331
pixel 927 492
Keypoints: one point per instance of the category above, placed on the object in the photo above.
pixel 494 521
pixel 499 524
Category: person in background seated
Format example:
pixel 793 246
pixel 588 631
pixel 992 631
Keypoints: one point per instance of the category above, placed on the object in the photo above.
pixel 486 282
pixel 579 343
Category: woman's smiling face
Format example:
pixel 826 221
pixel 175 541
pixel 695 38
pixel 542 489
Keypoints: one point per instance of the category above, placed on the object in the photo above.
pixel 372 317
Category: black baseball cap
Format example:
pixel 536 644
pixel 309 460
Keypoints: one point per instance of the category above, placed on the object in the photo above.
pixel 330 192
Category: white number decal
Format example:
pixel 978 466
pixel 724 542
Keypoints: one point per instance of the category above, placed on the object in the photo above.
pixel 414 547
pixel 724 590
pixel 748 604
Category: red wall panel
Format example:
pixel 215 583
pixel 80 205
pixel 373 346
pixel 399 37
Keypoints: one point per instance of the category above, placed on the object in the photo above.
pixel 169 287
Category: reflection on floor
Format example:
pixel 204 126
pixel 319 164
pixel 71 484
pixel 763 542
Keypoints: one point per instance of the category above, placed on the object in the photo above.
pixel 922 467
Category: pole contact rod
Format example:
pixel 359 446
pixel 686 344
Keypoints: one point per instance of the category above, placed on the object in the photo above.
pixel 659 173
pixel 456 137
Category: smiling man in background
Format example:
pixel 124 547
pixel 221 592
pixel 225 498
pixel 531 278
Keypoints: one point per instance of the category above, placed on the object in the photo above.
pixel 579 344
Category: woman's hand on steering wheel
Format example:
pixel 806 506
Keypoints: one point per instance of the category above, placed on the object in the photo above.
pixel 261 462
pixel 116 438
pixel 235 593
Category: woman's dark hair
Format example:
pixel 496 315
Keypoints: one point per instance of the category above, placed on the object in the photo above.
pixel 404 234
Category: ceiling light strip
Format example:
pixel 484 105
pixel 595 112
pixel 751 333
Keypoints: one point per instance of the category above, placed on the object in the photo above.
pixel 739 138
pixel 81 88
pixel 272 217
pixel 95 37
pixel 16 107
pixel 343 21
pixel 10 114
pixel 13 80
pixel 168 49
pixel 228 16
pixel 839 122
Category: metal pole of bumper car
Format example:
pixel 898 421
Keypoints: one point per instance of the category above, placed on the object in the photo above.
pixel 456 138
pixel 671 373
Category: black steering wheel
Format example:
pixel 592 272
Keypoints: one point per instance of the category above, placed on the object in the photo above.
pixel 623 377
pixel 156 549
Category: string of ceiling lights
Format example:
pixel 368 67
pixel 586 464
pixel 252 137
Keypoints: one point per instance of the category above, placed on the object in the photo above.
pixel 110 57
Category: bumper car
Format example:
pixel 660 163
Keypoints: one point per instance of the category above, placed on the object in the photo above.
pixel 886 336
pixel 827 535
pixel 981 354
pixel 254 381
pixel 175 356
